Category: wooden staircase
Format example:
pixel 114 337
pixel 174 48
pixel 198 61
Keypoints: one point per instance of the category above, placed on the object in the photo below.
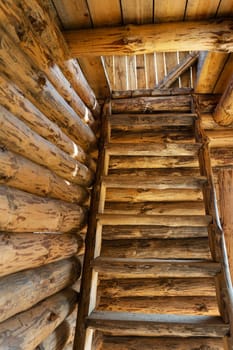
pixel 157 279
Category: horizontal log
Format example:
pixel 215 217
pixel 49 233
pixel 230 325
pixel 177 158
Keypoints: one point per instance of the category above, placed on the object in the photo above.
pixel 61 336
pixel 153 162
pixel 152 104
pixel 155 208
pixel 150 92
pixel 152 149
pixel 53 39
pixel 129 324
pixel 27 329
pixel 220 158
pixel 138 343
pixel 24 212
pixel 120 288
pixel 208 123
pixel 191 248
pixel 160 183
pixel 13 99
pixel 148 38
pixel 40 55
pixel 19 138
pixel 110 232
pixel 176 171
pixel 154 268
pixel 220 138
pixel 168 220
pixel 206 103
pixel 38 89
pixel 22 290
pixel 23 251
pixel 126 122
pixel 16 170
pixel 178 305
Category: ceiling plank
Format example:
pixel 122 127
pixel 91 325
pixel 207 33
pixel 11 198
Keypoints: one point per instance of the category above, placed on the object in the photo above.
pixel 214 35
pixel 199 9
pixel 139 11
pixel 105 13
pixel 169 10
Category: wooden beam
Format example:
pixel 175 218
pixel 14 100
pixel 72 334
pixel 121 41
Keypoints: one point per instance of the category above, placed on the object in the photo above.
pixel 223 114
pixel 175 73
pixel 35 285
pixel 213 35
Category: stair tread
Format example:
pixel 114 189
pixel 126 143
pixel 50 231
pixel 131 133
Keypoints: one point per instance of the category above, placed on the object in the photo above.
pixel 152 149
pixel 124 323
pixel 158 182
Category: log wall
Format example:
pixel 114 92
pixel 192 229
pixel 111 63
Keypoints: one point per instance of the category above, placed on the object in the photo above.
pixel 48 122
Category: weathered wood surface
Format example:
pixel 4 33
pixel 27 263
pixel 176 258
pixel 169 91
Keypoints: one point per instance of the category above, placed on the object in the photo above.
pixel 14 100
pixel 152 104
pixel 208 123
pixel 220 138
pixel 27 329
pixel 123 323
pixel 220 158
pixel 22 290
pixel 131 122
pixel 24 212
pixel 223 113
pixel 163 37
pixel 41 93
pixel 120 288
pixel 48 32
pixel 136 343
pixel 176 305
pixel 30 43
pixel 15 171
pixel 168 220
pixel 160 183
pixel 151 92
pixel 206 103
pixel 149 232
pixel 155 208
pixel 191 248
pixel 23 251
pixel 19 138
pixel 152 149
pixel 176 171
pixel 151 268
pixel 62 336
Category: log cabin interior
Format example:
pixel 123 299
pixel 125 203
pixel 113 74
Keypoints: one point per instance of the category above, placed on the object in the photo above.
pixel 116 171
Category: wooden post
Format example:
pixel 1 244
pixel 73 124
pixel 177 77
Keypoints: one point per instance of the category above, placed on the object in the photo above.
pixel 225 178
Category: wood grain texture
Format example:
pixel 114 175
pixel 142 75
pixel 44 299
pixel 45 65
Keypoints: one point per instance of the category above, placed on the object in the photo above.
pixel 23 251
pixel 223 114
pixel 22 290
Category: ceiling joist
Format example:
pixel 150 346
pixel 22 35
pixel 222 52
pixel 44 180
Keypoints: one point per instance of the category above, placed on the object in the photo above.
pixel 212 35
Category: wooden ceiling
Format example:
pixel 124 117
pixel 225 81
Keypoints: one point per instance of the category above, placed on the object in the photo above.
pixel 146 71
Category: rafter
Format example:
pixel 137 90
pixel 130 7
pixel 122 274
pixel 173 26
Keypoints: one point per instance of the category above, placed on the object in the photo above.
pixel 212 35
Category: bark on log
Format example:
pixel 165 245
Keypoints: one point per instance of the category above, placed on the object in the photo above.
pixel 62 336
pixel 138 343
pixel 40 55
pixel 42 93
pixel 23 251
pixel 23 212
pixel 129 324
pixel 15 171
pixel 223 113
pixel 120 288
pixel 19 138
pixel 178 305
pixel 152 104
pixel 46 29
pixel 27 329
pixel 14 100
pixel 196 248
pixel 22 290
pixel 149 38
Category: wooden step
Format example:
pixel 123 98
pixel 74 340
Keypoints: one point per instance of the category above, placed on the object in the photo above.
pixel 152 149
pixel 191 248
pixel 154 268
pixel 120 288
pixel 150 343
pixel 160 182
pixel 131 324
pixel 167 220
pixel 177 305
pixel 127 122
pixel 110 232
pixel 155 208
